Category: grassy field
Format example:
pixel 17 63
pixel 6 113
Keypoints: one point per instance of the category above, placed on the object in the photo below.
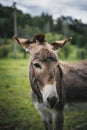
pixel 16 109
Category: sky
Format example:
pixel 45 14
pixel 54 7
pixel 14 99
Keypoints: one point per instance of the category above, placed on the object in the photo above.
pixel 77 9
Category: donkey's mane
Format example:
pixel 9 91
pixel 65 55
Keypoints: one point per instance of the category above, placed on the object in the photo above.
pixel 40 38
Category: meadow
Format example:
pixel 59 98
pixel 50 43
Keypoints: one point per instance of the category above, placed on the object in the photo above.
pixel 16 109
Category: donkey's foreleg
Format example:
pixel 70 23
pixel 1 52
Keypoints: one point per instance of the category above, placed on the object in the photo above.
pixel 45 115
pixel 47 119
pixel 59 120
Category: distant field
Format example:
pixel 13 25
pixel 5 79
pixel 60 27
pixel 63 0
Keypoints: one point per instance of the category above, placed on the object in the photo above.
pixel 16 109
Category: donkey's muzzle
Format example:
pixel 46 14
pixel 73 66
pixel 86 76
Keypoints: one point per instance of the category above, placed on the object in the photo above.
pixel 52 101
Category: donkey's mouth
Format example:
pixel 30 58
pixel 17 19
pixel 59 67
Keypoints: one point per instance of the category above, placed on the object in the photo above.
pixel 50 95
pixel 52 102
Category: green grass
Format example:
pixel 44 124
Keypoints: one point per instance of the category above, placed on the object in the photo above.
pixel 16 109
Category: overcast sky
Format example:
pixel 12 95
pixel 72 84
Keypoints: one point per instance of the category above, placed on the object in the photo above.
pixel 75 8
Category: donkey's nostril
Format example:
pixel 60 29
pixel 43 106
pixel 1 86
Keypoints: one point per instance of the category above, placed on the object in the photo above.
pixel 52 101
pixel 48 99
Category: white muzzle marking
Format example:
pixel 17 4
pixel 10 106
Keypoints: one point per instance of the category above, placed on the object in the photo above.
pixel 49 90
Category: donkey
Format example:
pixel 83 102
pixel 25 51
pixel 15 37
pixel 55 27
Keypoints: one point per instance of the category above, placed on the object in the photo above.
pixel 53 83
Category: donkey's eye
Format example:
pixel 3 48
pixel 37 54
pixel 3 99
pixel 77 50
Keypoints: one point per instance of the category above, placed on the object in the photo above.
pixel 37 65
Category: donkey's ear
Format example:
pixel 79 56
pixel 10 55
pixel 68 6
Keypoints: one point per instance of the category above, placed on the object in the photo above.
pixel 25 43
pixel 61 43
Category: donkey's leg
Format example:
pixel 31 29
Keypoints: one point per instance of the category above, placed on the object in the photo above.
pixel 45 115
pixel 59 120
pixel 47 119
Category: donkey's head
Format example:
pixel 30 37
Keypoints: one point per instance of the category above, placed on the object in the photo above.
pixel 43 67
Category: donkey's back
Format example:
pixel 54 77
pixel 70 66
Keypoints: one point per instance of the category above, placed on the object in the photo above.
pixel 75 81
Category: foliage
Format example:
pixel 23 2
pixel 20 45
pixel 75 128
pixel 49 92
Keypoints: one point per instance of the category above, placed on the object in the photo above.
pixel 68 52
pixel 4 48
pixel 28 31
pixel 51 37
pixel 28 26
pixel 4 51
